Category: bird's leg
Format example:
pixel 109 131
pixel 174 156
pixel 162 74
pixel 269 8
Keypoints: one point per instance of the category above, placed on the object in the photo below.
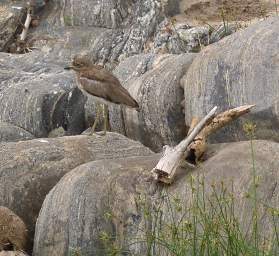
pixel 97 117
pixel 105 118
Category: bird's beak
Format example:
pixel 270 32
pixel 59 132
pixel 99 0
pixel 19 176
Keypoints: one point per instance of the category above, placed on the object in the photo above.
pixel 69 67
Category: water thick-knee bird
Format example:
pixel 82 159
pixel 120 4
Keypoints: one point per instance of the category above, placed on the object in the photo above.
pixel 99 82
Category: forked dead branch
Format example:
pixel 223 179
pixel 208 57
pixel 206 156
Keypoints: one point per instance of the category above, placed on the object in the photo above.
pixel 194 144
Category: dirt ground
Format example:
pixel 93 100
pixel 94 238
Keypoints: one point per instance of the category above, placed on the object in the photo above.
pixel 230 10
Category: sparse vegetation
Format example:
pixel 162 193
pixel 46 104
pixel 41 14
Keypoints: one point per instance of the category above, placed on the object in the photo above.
pixel 68 20
pixel 207 224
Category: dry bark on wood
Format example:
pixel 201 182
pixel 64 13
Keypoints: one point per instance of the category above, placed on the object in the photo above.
pixel 172 157
pixel 197 148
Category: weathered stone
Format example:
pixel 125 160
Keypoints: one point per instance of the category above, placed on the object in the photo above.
pixel 39 96
pixel 115 45
pixel 109 13
pixel 10 20
pixel 12 253
pixel 13 231
pixel 212 11
pixel 111 30
pixel 29 169
pixel 94 193
pixel 9 132
pixel 160 119
pixel 222 31
pixel 243 68
pixel 178 37
pixel 116 196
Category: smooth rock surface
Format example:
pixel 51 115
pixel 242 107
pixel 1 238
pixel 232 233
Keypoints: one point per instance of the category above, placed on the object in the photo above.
pixel 39 96
pixel 241 69
pixel 29 169
pixel 106 196
pixel 160 120
pixel 9 132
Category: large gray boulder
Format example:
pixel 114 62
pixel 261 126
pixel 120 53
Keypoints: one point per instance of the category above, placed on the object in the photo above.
pixel 29 169
pixel 93 191
pixel 240 69
pixel 9 132
pixel 120 198
pixel 39 96
pixel 154 81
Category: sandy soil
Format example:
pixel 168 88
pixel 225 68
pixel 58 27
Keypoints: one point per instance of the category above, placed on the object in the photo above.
pixel 232 10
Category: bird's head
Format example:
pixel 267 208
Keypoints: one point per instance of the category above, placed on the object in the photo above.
pixel 79 63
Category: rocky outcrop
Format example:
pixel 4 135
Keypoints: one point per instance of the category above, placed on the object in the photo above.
pixel 39 96
pixel 240 69
pixel 9 132
pixel 13 232
pixel 114 30
pixel 113 198
pixel 29 169
pixel 178 37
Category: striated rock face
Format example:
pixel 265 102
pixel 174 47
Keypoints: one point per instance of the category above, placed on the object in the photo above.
pixel 160 119
pixel 39 96
pixel 116 45
pixel 9 132
pixel 241 69
pixel 113 30
pixel 114 197
pixel 108 13
pixel 178 37
pixel 29 169
pixel 110 30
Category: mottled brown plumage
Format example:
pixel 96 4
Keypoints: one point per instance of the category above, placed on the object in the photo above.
pixel 99 82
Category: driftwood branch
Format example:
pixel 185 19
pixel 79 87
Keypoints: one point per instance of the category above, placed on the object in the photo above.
pixel 172 157
pixel 197 148
pixel 194 146
pixel 26 26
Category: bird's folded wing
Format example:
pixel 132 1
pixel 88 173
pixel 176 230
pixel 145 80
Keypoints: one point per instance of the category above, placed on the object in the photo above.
pixel 94 87
pixel 100 75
